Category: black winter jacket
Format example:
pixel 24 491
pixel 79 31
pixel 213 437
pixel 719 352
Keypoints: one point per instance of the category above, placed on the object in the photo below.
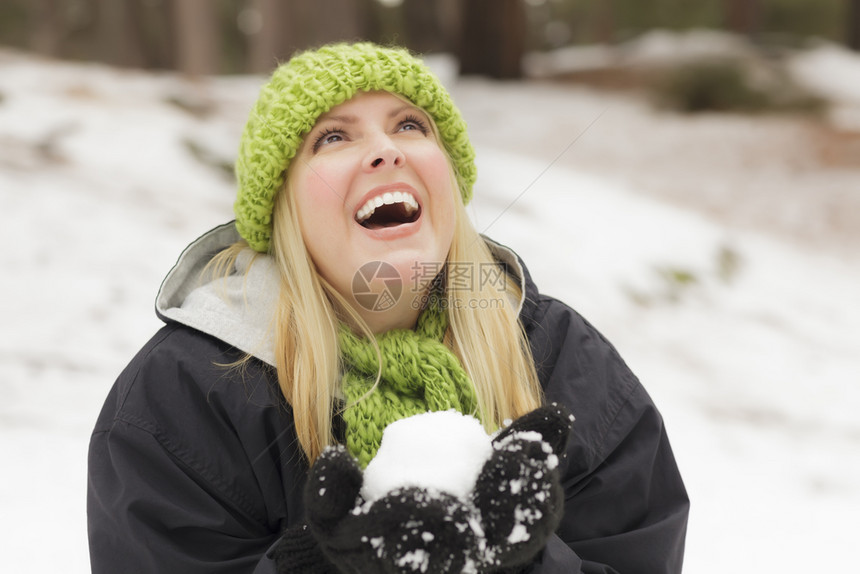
pixel 194 466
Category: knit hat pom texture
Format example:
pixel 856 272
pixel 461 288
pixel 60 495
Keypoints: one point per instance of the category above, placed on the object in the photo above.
pixel 310 84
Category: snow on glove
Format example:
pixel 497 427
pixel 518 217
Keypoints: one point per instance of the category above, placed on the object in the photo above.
pixel 407 530
pixel 518 493
pixel 420 523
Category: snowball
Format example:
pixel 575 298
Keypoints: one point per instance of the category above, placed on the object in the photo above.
pixel 441 451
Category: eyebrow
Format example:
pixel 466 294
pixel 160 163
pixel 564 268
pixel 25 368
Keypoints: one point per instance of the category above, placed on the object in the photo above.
pixel 351 119
pixel 339 119
pixel 402 109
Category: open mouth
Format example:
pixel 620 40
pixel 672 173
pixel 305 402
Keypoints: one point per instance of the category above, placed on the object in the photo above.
pixel 388 210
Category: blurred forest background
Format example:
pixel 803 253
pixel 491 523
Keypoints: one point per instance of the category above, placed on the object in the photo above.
pixel 719 251
pixel 489 37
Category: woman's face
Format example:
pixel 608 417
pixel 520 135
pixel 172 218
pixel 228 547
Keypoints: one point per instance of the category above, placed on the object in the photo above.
pixel 371 185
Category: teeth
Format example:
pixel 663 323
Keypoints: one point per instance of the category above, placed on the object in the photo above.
pixel 387 198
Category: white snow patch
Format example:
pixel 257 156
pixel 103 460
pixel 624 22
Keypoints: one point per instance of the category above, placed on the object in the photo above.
pixel 417 560
pixel 518 534
pixel 660 47
pixel 831 71
pixel 516 485
pixel 442 451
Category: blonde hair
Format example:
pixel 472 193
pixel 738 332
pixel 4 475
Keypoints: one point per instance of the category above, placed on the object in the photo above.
pixel 490 341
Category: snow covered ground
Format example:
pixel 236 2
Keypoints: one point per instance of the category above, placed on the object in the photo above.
pixel 736 303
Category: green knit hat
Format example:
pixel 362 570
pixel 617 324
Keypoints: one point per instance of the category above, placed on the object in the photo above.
pixel 307 86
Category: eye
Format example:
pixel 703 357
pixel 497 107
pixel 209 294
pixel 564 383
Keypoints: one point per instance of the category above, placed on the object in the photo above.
pixel 412 123
pixel 328 136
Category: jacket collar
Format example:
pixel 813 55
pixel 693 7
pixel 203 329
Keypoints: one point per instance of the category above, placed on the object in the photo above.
pixel 240 309
pixel 515 267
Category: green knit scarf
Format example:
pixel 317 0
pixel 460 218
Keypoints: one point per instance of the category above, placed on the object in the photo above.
pixel 419 374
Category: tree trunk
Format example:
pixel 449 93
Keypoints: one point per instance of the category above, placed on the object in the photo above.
pixel 450 16
pixel 291 25
pixel 423 26
pixel 156 26
pixel 605 27
pixel 119 40
pixel 197 38
pixel 853 24
pixel 48 28
pixel 743 16
pixel 492 39
pixel 268 43
pixel 326 21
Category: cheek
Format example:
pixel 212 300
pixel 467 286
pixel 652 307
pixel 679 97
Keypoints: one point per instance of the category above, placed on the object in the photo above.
pixel 318 208
pixel 436 169
pixel 441 184
pixel 317 196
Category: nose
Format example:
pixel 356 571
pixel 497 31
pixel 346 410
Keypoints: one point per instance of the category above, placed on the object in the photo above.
pixel 383 153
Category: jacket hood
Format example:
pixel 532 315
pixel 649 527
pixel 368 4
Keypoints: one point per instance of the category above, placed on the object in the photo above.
pixel 240 309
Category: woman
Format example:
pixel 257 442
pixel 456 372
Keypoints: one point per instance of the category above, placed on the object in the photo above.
pixel 350 292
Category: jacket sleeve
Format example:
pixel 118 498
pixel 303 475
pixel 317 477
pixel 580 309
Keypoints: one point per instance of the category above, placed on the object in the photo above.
pixel 187 473
pixel 149 511
pixel 626 506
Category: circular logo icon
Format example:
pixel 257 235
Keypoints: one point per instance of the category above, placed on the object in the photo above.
pixel 377 286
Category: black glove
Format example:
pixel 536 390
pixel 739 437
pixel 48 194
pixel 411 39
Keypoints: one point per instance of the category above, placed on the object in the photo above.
pixel 299 553
pixel 518 492
pixel 516 504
